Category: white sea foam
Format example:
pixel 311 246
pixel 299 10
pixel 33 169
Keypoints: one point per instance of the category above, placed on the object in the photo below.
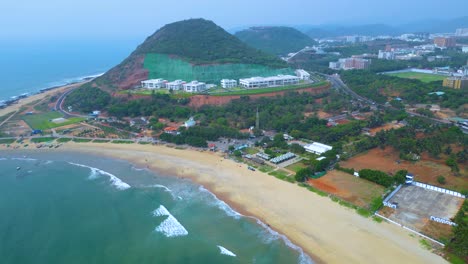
pixel 162 187
pixel 273 235
pixel 171 226
pixel 24 159
pixel 221 204
pixel 48 162
pixel 121 185
pixel 3 159
pixel 225 251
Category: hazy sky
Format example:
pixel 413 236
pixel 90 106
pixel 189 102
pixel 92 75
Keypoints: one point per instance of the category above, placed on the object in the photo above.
pixel 23 19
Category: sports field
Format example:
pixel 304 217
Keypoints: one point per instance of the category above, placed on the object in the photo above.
pixel 424 77
pixel 43 121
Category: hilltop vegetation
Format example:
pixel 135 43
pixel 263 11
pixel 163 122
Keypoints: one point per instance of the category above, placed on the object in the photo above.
pixel 201 41
pixel 196 42
pixel 275 40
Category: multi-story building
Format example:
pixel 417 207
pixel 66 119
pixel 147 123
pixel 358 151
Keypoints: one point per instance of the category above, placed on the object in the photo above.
pixel 456 82
pixel 175 85
pixel 350 63
pixel 153 84
pixel 194 87
pixel 303 75
pixel 386 55
pixel 444 42
pixel 258 82
pixel 461 32
pixel 226 83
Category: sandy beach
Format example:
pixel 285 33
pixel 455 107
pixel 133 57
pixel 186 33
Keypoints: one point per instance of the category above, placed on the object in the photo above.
pixel 325 230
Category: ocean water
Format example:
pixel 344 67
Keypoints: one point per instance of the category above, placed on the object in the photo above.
pixel 77 208
pixel 30 65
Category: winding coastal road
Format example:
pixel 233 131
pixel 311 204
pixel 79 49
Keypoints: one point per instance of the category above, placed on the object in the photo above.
pixel 339 84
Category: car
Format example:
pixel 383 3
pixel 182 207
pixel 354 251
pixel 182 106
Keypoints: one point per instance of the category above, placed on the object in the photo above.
pixel 251 168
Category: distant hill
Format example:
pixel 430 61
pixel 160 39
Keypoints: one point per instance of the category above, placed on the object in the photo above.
pixel 428 25
pixel 275 40
pixel 194 49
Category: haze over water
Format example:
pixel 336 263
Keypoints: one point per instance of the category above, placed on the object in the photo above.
pixel 80 209
pixel 27 67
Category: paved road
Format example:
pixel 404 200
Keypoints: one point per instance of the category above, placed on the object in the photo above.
pixel 59 105
pixel 339 84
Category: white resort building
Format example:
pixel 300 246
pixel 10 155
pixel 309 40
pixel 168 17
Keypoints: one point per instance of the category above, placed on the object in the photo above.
pixel 195 87
pixel 258 82
pixel 153 84
pixel 303 75
pixel 226 83
pixel 317 148
pixel 175 85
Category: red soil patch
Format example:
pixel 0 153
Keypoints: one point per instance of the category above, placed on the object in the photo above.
pixel 426 170
pixel 200 100
pixel 385 127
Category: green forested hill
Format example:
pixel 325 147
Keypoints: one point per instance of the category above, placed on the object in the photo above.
pixel 194 43
pixel 275 40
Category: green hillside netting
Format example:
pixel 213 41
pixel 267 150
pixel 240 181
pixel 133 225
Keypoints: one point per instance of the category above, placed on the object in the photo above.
pixel 165 67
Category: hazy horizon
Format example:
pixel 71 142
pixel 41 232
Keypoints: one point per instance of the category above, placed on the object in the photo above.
pixel 52 19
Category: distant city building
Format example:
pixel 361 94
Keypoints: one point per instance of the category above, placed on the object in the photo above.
pixel 408 57
pixel 303 75
pixel 317 148
pixel 465 49
pixel 258 82
pixel 456 82
pixel 444 42
pixel 194 87
pixel 386 55
pixel 350 63
pixel 175 85
pixel 153 84
pixel 226 83
pixel 438 58
pixel 461 32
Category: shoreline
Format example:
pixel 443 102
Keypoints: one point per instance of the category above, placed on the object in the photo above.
pixel 326 231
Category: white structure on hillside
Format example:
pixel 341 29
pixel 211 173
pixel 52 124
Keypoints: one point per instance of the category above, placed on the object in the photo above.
pixel 175 85
pixel 303 75
pixel 465 49
pixel 317 148
pixel 153 84
pixel 194 87
pixel 226 83
pixel 259 82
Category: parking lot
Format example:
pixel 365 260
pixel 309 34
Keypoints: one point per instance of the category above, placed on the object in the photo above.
pixel 415 205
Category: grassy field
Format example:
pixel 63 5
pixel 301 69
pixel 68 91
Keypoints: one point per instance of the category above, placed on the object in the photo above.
pixel 269 90
pixel 424 77
pixel 296 166
pixel 43 121
pixel 7 140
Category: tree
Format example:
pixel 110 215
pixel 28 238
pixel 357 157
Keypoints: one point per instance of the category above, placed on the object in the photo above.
pixel 303 174
pixel 441 179
pixel 238 153
pixel 400 176
pixel 296 148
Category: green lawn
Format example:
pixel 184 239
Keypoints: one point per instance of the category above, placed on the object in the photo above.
pixel 296 166
pixel 43 121
pixel 7 140
pixel 269 89
pixel 424 77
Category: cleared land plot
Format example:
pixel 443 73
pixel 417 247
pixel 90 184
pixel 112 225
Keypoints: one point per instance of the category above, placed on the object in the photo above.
pixel 385 127
pixel 426 170
pixel 296 166
pixel 424 77
pixel 44 121
pixel 349 188
pixel 415 205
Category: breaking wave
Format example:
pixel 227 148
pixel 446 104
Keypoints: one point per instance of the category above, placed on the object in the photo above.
pixel 121 185
pixel 171 226
pixel 272 234
pixel 225 251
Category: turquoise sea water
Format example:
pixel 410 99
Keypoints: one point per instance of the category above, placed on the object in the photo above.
pixel 72 208
pixel 30 65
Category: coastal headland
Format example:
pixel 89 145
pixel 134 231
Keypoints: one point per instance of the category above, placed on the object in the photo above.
pixel 325 230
